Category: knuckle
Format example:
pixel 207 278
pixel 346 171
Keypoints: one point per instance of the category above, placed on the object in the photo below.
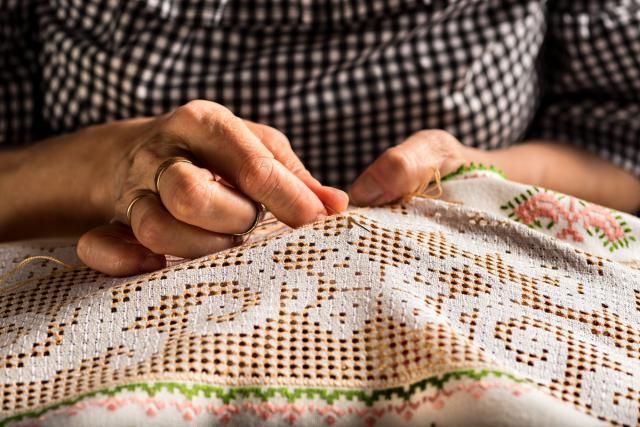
pixel 397 160
pixel 146 155
pixel 198 112
pixel 423 134
pixel 435 137
pixel 143 161
pixel 429 134
pixel 258 174
pixel 189 113
pixel 443 135
pixel 398 167
pixel 189 198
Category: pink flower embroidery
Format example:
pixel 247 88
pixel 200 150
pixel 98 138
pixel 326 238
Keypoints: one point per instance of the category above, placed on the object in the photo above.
pixel 569 213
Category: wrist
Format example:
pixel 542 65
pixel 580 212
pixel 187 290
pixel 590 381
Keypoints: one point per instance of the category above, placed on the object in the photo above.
pixel 109 146
pixel 65 171
pixel 60 186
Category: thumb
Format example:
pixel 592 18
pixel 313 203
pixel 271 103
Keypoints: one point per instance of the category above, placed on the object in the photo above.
pixel 113 249
pixel 407 168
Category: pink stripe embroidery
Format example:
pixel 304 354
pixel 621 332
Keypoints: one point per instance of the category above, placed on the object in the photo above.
pixel 290 411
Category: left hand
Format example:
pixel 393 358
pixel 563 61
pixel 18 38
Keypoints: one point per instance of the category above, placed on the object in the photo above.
pixel 406 168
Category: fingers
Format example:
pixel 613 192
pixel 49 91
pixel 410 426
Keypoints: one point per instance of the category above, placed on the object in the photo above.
pixel 226 145
pixel 287 197
pixel 193 196
pixel 157 229
pixel 406 168
pixel 195 211
pixel 334 200
pixel 113 250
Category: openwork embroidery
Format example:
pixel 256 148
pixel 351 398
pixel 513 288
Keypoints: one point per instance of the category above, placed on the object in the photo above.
pixel 365 301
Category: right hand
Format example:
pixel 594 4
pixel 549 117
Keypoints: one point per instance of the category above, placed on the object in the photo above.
pixel 236 164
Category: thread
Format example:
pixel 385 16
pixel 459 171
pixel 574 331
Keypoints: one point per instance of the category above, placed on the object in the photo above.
pixel 428 190
pixel 22 264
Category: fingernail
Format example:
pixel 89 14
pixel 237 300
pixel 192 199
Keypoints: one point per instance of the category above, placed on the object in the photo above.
pixel 345 198
pixel 366 191
pixel 152 262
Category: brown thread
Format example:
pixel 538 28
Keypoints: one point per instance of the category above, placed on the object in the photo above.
pixel 4 276
pixel 269 221
pixel 427 190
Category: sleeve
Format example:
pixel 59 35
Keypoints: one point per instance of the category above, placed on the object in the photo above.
pixel 17 71
pixel 592 79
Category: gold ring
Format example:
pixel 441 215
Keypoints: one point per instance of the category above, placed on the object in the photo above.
pixel 259 216
pixel 141 195
pixel 164 166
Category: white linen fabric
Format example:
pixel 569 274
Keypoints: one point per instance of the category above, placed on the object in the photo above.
pixel 501 303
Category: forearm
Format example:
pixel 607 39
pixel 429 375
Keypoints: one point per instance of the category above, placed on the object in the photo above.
pixel 566 169
pixel 51 188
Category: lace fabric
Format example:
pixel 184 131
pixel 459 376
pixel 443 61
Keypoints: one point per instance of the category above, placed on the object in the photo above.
pixel 519 301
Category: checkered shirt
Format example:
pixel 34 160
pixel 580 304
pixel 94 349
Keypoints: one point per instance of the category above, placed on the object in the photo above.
pixel 343 79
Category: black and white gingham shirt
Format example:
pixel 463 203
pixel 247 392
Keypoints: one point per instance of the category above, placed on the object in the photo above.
pixel 344 79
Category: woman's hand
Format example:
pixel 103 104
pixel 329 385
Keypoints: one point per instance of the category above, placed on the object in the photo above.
pixel 198 207
pixel 403 169
pixel 408 167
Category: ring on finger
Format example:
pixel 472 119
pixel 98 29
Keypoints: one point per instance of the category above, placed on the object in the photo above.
pixel 166 165
pixel 256 221
pixel 141 194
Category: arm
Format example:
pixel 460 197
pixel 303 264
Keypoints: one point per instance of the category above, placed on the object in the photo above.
pixel 68 184
pixel 567 169
pixel 403 169
pixel 58 186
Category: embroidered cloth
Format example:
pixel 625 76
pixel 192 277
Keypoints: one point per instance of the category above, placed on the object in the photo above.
pixel 500 304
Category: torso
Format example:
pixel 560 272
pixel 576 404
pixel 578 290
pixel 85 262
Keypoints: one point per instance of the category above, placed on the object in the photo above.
pixel 343 79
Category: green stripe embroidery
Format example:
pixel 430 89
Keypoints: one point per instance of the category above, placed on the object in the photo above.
pixel 472 167
pixel 229 394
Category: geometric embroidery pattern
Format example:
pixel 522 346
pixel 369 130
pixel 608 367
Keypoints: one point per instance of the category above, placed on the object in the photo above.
pixel 358 303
